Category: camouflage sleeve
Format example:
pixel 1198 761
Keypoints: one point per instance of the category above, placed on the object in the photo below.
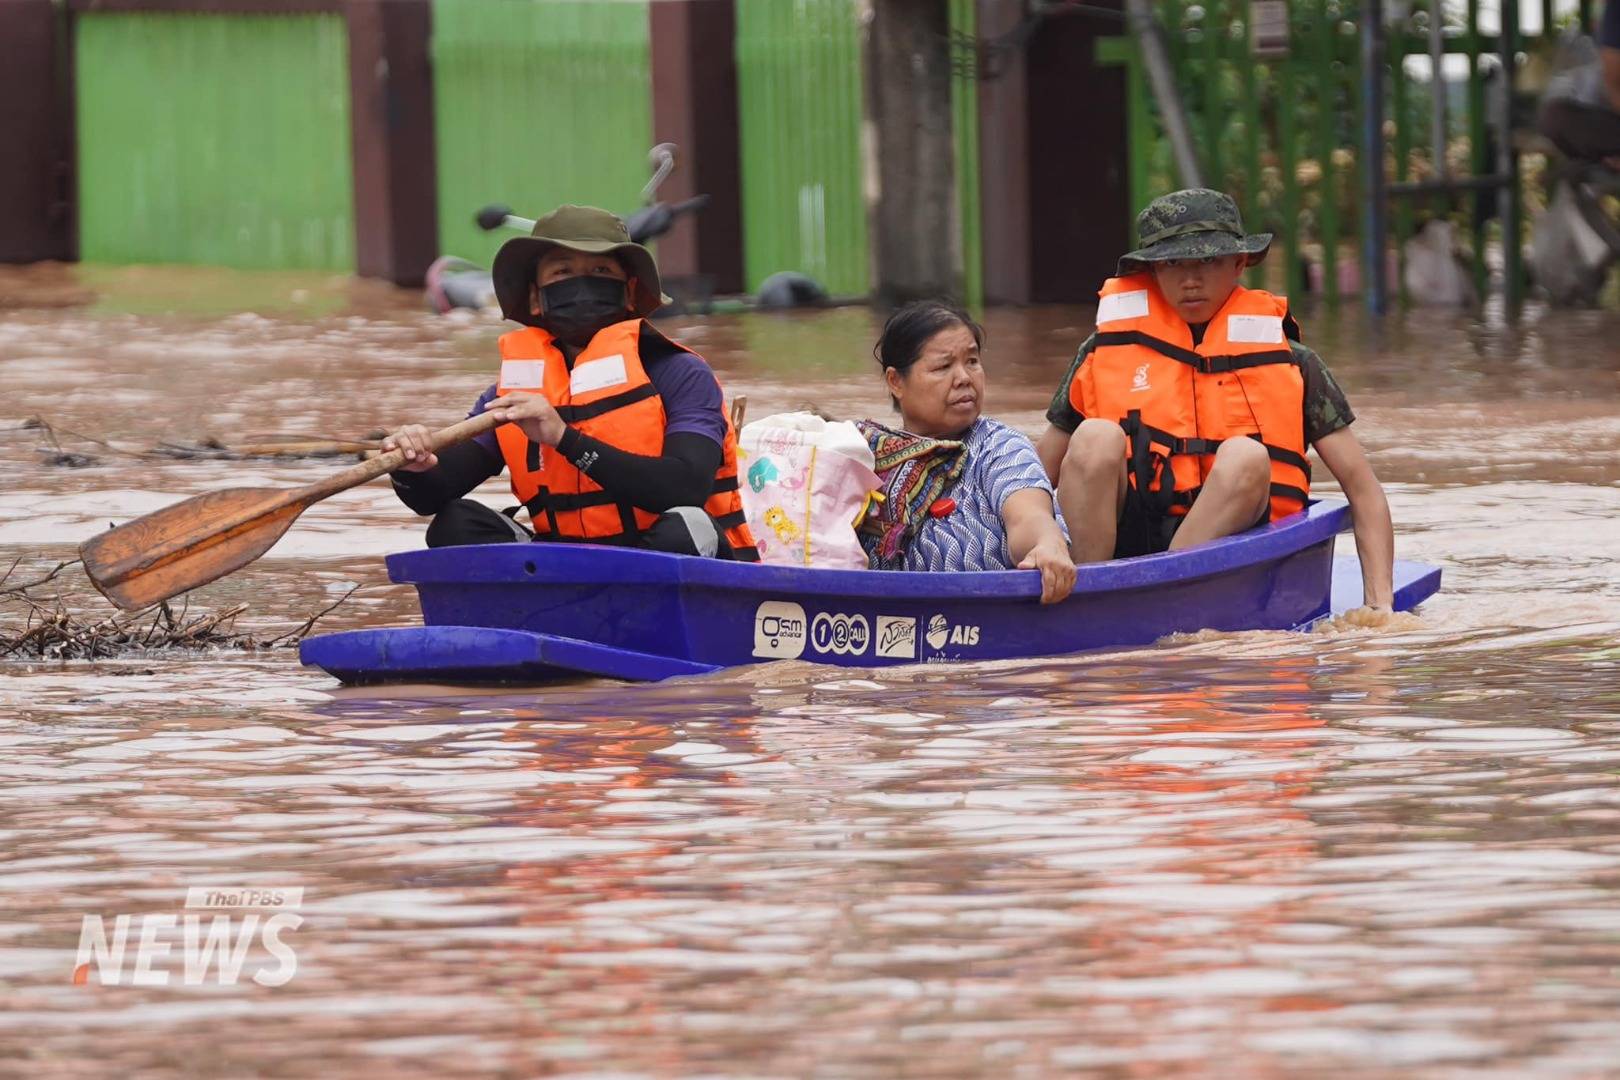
pixel 1326 409
pixel 1062 414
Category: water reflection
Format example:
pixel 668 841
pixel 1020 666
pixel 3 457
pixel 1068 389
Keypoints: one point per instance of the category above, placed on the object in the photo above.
pixel 1239 855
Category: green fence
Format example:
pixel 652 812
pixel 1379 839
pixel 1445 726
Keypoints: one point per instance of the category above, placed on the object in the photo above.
pixel 536 103
pixel 1282 133
pixel 214 139
pixel 799 98
pixel 965 124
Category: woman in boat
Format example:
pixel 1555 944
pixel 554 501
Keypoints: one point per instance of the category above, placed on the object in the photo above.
pixel 961 492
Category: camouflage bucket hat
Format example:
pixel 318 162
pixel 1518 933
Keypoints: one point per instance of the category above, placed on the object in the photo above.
pixel 1193 224
pixel 577 228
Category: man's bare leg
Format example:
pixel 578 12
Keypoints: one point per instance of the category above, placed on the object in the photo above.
pixel 1091 489
pixel 1235 494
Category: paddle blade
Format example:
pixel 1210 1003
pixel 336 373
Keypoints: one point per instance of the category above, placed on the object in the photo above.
pixel 188 544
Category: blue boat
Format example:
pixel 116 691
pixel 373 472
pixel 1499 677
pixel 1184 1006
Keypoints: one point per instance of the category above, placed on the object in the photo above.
pixel 534 613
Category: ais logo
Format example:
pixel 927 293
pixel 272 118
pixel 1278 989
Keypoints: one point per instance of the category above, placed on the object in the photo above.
pixel 941 632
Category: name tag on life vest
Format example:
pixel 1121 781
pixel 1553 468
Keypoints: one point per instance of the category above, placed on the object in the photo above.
pixel 597 374
pixel 1125 305
pixel 1254 329
pixel 523 374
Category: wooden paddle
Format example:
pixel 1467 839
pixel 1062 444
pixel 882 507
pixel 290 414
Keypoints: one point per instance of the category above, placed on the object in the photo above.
pixel 208 536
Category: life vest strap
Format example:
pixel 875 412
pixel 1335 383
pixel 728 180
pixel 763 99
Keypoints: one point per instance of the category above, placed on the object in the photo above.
pixel 1207 365
pixel 580 501
pixel 1173 444
pixel 540 507
pixel 1289 491
pixel 1148 469
pixel 628 525
pixel 1217 365
pixel 1147 341
pixel 532 456
pixel 1288 457
pixel 574 414
pixel 724 484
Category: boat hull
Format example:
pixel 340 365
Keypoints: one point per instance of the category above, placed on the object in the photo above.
pixel 569 609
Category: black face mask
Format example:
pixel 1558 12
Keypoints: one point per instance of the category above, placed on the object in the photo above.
pixel 577 307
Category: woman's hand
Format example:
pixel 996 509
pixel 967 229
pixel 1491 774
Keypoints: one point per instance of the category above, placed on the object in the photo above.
pixel 1051 558
pixel 531 412
pixel 1034 539
pixel 413 439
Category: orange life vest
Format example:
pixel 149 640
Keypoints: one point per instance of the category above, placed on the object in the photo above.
pixel 1178 401
pixel 607 395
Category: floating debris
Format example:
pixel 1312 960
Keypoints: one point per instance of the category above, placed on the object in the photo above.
pixel 51 631
pixel 209 448
pixel 271 446
pixel 66 459
pixel 24 586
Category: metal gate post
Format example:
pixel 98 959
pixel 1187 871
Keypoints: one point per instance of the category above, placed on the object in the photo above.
pixel 1374 226
pixel 1507 161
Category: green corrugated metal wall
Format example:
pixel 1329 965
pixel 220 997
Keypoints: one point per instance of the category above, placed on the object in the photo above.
pixel 214 139
pixel 538 102
pixel 799 97
pixel 965 127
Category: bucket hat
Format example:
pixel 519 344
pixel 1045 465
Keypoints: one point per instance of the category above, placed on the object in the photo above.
pixel 1194 224
pixel 576 228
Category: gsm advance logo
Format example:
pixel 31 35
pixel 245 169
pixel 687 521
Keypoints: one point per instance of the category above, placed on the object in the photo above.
pixel 213 949
pixel 779 630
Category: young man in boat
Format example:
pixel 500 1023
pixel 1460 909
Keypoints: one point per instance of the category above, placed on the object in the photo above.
pixel 615 434
pixel 1186 416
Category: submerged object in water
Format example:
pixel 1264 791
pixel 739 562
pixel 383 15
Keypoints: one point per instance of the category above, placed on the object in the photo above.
pixel 538 612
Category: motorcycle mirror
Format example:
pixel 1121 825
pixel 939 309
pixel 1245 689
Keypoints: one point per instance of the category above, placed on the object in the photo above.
pixel 492 216
pixel 662 160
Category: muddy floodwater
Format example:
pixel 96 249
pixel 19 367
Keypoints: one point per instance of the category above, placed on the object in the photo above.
pixel 1351 853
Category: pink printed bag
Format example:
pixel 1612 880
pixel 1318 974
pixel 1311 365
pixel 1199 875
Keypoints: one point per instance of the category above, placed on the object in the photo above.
pixel 805 482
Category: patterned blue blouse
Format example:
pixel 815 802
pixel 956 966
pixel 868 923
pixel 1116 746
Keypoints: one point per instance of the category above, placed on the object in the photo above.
pixel 1001 461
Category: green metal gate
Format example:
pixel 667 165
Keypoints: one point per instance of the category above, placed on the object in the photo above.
pixel 214 139
pixel 538 102
pixel 1281 133
pixel 799 98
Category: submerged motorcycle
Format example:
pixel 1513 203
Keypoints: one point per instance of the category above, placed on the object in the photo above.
pixel 454 282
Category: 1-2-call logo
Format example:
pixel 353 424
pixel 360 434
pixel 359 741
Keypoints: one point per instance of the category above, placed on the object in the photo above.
pixel 846 635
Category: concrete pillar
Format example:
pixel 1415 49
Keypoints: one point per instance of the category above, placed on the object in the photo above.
pixel 37 219
pixel 1004 159
pixel 1052 157
pixel 914 227
pixel 395 166
pixel 694 98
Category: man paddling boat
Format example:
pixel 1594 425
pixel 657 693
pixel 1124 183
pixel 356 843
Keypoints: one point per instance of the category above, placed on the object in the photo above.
pixel 613 433
pixel 1187 415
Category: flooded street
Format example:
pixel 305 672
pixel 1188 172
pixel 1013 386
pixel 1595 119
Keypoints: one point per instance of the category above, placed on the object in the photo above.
pixel 1254 855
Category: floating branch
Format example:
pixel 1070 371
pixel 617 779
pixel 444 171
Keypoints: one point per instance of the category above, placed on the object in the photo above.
pixel 53 632
pixel 210 448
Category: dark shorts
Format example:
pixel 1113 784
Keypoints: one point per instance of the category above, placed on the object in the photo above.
pixel 1142 531
pixel 467 521
pixel 1146 532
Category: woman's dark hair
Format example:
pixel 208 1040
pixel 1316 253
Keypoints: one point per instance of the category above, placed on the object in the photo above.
pixel 910 328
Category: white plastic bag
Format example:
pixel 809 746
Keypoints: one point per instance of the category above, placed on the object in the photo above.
pixel 805 482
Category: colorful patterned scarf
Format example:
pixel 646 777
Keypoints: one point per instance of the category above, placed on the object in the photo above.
pixel 914 471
